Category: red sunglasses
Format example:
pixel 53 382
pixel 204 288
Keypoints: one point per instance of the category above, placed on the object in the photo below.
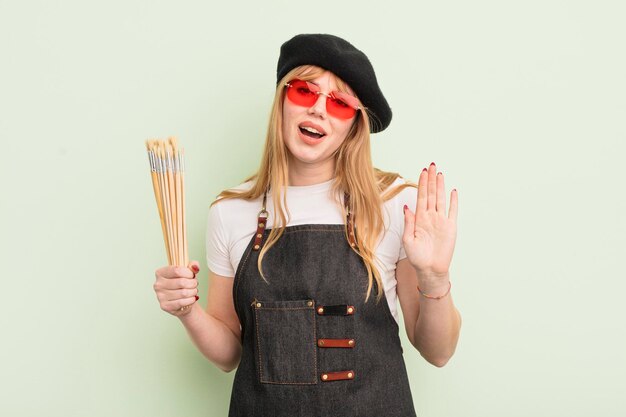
pixel 338 104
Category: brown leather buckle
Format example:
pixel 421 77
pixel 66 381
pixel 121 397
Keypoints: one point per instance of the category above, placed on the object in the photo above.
pixel 338 310
pixel 337 376
pixel 261 223
pixel 335 343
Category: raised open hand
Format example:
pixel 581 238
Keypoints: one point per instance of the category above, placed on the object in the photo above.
pixel 429 234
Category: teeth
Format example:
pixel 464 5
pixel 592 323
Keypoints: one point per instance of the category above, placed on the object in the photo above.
pixel 310 129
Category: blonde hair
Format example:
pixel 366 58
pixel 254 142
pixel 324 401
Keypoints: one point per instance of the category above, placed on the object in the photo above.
pixel 366 186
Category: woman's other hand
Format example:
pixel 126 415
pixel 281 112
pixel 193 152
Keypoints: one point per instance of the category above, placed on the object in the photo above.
pixel 429 234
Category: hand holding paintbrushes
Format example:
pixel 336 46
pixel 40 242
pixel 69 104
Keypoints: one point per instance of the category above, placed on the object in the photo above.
pixel 175 285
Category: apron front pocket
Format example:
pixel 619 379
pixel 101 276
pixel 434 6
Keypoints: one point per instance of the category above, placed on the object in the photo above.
pixel 285 341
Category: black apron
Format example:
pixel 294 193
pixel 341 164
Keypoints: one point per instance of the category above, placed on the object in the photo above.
pixel 312 347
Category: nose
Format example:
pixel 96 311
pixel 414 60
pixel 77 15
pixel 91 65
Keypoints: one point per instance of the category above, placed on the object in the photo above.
pixel 319 108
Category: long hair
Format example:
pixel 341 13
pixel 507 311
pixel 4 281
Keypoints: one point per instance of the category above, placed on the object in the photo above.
pixel 366 186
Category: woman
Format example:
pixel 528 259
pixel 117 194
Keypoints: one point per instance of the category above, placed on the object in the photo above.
pixel 308 257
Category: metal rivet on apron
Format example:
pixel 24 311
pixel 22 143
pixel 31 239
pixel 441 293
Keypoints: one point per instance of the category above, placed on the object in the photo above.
pixel 259 235
pixel 258 304
pixel 261 225
pixel 350 310
pixel 320 343
pixel 324 377
pixel 256 247
pixel 349 374
pixel 310 303
pixel 351 342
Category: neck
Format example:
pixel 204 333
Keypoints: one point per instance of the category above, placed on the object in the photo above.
pixel 310 174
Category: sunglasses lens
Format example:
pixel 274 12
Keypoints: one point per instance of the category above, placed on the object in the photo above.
pixel 300 93
pixel 339 108
pixel 338 104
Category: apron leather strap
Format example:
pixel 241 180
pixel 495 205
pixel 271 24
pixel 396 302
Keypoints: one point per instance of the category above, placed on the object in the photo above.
pixel 262 223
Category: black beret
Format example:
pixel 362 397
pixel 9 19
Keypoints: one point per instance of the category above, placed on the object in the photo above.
pixel 344 60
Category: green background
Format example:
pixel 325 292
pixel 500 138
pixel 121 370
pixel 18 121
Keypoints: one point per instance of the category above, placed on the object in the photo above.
pixel 520 104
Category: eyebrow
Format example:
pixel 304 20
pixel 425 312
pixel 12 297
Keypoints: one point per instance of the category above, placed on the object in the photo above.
pixel 336 89
pixel 343 92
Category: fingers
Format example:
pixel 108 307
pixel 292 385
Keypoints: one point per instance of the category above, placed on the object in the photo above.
pixel 454 205
pixel 173 300
pixel 432 187
pixel 175 272
pixel 195 267
pixel 176 283
pixel 409 225
pixel 174 307
pixel 173 289
pixel 422 195
pixel 177 293
pixel 441 195
pixel 175 277
pixel 176 287
pixel 431 192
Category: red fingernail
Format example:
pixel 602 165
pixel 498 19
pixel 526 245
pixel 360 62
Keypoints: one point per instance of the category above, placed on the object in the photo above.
pixel 424 170
pixel 432 163
pixel 197 298
pixel 405 207
pixel 195 268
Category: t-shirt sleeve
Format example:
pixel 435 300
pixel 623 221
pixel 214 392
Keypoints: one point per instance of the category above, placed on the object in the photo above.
pixel 407 196
pixel 217 244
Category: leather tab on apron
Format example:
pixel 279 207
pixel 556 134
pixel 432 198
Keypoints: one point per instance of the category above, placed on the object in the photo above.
pixel 335 343
pixel 337 310
pixel 260 226
pixel 337 376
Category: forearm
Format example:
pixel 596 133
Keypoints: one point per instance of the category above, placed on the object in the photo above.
pixel 438 324
pixel 212 338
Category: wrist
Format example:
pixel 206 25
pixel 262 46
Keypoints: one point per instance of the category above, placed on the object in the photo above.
pixel 435 294
pixel 433 285
pixel 432 280
pixel 187 312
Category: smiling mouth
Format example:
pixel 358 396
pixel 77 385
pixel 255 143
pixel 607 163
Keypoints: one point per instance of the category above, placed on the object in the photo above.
pixel 310 132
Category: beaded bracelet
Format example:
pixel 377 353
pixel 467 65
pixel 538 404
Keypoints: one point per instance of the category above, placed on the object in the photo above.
pixel 433 297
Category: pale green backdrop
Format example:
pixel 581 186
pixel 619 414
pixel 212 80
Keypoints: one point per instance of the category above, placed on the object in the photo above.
pixel 521 104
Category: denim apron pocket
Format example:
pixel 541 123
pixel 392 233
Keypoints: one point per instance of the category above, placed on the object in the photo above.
pixel 285 341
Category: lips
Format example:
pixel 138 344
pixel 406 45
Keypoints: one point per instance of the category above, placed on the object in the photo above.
pixel 312 130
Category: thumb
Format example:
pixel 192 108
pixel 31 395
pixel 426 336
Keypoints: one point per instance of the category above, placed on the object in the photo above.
pixel 195 267
pixel 409 224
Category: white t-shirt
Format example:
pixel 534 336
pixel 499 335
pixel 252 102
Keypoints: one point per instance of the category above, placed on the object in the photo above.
pixel 232 223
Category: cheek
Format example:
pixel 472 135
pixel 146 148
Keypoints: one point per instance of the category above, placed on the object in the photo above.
pixel 287 117
pixel 289 114
pixel 343 128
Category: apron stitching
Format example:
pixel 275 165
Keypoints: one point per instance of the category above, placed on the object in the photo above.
pixel 261 378
pixel 258 343
pixel 313 230
pixel 238 280
pixel 314 350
